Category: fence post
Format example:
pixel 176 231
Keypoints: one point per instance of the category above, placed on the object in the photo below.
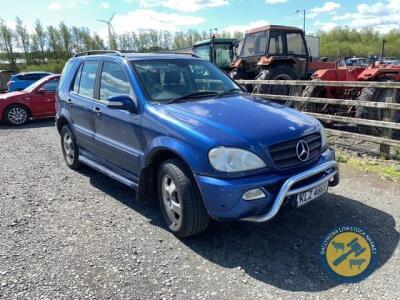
pixel 388 115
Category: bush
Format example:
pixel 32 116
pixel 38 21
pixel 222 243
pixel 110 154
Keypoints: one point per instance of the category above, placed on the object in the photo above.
pixel 53 66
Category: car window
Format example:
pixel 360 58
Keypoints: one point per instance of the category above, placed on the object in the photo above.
pixel 77 79
pixel 295 44
pixel 113 81
pixel 275 44
pixel 51 86
pixel 88 79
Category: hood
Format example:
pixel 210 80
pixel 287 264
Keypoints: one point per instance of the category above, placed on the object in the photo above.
pixel 12 95
pixel 243 119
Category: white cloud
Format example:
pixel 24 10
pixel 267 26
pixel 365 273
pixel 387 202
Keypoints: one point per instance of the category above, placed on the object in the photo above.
pixel 147 19
pixel 383 16
pixel 244 28
pixel 327 26
pixel 104 5
pixel 186 5
pixel 327 7
pixel 55 6
pixel 275 1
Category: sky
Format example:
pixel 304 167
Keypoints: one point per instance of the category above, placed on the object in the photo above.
pixel 230 15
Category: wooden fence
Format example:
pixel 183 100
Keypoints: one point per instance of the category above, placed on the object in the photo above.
pixel 390 106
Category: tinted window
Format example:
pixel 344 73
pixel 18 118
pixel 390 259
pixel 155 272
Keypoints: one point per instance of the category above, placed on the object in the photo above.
pixel 295 44
pixel 275 44
pixel 51 86
pixel 88 78
pixel 113 81
pixel 75 88
pixel 31 77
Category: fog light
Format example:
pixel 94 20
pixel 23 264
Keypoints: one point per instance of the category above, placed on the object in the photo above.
pixel 253 194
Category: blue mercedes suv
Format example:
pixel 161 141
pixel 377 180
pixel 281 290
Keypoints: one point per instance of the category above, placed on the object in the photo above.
pixel 177 127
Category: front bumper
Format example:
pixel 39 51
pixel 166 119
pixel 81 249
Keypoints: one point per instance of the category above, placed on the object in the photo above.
pixel 223 198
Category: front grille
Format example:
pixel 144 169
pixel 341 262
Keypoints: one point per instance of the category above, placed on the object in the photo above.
pixel 284 154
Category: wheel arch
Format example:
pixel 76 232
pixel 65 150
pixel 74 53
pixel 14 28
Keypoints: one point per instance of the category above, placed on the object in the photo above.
pixel 17 104
pixel 148 174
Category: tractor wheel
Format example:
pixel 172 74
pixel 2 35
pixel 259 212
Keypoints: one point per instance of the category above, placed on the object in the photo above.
pixel 377 95
pixel 315 92
pixel 276 73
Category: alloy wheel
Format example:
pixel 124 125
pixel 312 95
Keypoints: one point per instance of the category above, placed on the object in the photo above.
pixel 171 202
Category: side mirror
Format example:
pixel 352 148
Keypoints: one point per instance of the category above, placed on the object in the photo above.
pixel 121 102
pixel 41 91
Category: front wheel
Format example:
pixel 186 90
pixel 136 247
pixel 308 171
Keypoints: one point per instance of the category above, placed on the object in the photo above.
pixel 180 202
pixel 16 115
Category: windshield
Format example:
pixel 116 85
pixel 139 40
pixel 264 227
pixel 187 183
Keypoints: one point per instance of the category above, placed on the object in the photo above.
pixel 35 84
pixel 166 80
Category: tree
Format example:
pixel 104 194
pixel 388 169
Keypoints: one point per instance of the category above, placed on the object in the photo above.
pixel 54 40
pixel 6 42
pixel 23 38
pixel 66 38
pixel 40 38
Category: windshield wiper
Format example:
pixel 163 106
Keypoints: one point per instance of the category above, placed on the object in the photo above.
pixel 203 94
pixel 229 92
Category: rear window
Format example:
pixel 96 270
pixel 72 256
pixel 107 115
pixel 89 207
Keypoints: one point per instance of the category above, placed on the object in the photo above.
pixel 31 76
pixel 295 44
pixel 86 78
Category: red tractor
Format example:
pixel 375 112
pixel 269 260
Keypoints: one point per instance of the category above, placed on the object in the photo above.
pixel 343 72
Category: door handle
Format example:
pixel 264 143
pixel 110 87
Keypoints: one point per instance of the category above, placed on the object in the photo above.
pixel 69 102
pixel 97 110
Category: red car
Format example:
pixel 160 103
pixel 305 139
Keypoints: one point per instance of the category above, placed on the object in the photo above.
pixel 36 101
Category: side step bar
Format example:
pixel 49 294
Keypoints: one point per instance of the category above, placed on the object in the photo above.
pixel 108 172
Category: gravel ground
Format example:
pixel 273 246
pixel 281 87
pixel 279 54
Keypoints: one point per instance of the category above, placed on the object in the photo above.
pixel 66 234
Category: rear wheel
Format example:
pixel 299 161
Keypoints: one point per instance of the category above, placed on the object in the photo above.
pixel 70 148
pixel 377 95
pixel 277 73
pixel 16 115
pixel 180 202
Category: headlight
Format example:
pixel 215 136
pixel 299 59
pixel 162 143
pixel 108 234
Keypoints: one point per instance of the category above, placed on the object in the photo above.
pixel 324 139
pixel 226 159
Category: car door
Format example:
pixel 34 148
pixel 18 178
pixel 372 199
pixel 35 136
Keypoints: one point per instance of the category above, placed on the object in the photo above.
pixel 80 104
pixel 117 132
pixel 42 102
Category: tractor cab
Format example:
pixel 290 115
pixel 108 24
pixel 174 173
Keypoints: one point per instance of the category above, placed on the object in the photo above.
pixel 270 47
pixel 219 51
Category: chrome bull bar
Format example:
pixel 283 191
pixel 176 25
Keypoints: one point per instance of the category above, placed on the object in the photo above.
pixel 285 190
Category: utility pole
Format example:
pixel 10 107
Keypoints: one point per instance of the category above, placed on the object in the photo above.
pixel 304 18
pixel 383 49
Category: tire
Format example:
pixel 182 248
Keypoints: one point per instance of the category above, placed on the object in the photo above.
pixel 70 148
pixel 177 189
pixel 16 115
pixel 313 91
pixel 276 73
pixel 377 95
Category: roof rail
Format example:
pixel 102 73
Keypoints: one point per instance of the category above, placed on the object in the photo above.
pixel 96 52
pixel 178 53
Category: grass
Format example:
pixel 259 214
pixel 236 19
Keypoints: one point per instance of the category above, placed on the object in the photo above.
pixel 384 168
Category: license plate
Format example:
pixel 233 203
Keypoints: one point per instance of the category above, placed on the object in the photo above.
pixel 310 195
